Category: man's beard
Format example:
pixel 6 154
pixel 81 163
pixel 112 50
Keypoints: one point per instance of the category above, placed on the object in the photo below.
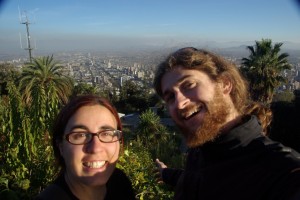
pixel 213 120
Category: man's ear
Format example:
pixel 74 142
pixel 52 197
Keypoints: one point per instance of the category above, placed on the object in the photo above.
pixel 226 85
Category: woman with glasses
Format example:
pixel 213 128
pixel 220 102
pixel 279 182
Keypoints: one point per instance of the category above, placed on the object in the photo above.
pixel 86 143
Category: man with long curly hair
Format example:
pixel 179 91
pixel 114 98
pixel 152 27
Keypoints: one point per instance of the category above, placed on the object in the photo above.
pixel 229 156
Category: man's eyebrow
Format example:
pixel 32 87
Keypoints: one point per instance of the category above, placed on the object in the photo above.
pixel 184 77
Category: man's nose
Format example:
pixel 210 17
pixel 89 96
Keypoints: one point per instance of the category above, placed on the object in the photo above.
pixel 181 100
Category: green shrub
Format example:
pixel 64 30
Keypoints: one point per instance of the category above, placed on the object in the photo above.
pixel 137 163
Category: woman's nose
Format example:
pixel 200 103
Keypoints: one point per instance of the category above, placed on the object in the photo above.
pixel 94 145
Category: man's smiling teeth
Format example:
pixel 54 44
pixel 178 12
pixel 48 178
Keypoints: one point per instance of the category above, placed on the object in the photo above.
pixel 96 164
pixel 190 113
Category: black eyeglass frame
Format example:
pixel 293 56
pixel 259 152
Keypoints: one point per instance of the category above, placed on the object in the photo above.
pixel 117 133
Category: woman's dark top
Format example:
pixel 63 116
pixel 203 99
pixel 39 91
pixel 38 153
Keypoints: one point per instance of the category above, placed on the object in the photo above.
pixel 118 187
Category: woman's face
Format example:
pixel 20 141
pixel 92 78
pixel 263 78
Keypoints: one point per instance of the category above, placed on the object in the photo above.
pixel 90 164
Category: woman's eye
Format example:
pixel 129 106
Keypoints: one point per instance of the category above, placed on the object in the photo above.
pixel 105 134
pixel 79 135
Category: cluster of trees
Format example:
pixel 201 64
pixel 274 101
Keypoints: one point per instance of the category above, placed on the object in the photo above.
pixel 30 100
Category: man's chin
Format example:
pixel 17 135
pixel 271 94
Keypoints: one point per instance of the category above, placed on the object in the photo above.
pixel 201 137
pixel 211 123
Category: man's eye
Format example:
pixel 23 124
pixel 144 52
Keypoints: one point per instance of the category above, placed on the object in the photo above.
pixel 189 85
pixel 169 98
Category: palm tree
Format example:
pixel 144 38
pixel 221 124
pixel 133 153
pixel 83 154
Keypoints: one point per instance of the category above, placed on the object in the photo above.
pixel 44 76
pixel 157 139
pixel 151 133
pixel 44 88
pixel 264 68
pixel 150 129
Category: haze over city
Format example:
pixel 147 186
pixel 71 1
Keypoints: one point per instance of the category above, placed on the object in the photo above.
pixel 63 25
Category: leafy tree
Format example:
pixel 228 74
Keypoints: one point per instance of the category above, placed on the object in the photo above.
pixel 285 96
pixel 263 69
pixel 26 156
pixel 84 88
pixel 133 98
pixel 8 73
pixel 137 163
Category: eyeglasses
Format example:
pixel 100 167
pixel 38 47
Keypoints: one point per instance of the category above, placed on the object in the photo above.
pixel 105 136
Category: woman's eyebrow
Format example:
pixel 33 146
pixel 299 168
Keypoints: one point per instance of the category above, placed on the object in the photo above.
pixel 106 127
pixel 79 126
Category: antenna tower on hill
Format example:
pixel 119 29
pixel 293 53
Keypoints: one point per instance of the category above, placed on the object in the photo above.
pixel 24 20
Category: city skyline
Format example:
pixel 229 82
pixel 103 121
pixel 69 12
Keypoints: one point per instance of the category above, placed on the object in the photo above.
pixel 105 25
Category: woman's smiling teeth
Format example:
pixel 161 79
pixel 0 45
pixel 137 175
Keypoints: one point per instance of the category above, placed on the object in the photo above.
pixel 96 164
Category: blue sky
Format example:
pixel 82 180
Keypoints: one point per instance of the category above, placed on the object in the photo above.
pixel 75 24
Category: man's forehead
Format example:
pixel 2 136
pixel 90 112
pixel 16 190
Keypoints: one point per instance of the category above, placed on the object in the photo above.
pixel 178 75
pixel 173 79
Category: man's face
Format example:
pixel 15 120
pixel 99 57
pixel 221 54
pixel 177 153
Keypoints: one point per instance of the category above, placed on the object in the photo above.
pixel 196 104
